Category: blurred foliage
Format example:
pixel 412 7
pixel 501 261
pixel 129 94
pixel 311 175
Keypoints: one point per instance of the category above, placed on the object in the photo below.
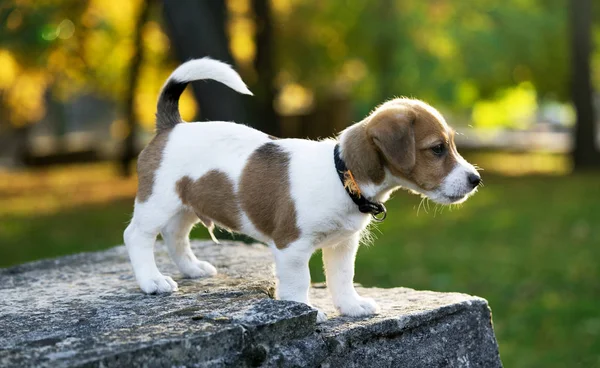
pixel 468 55
pixel 75 47
pixel 448 52
pixel 514 108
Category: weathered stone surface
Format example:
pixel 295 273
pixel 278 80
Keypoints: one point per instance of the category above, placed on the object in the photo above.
pixel 87 310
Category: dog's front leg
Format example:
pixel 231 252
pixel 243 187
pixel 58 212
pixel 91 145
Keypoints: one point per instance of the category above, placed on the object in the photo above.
pixel 339 270
pixel 293 274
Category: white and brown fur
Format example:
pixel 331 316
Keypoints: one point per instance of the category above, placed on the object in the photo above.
pixel 283 192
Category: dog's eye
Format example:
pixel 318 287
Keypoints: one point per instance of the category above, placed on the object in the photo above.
pixel 439 150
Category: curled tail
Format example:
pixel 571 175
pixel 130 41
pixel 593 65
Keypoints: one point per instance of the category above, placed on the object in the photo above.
pixel 167 110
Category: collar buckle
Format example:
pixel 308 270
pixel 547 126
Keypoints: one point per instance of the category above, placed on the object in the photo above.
pixel 382 213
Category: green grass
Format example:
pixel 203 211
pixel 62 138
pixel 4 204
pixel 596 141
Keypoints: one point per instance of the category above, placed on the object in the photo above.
pixel 529 245
pixel 85 228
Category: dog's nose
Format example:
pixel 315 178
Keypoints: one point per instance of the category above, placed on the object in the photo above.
pixel 474 180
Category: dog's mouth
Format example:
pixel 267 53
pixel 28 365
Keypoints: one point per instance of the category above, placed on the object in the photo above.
pixel 447 199
pixel 450 199
pixel 459 198
pixel 455 198
pixel 445 196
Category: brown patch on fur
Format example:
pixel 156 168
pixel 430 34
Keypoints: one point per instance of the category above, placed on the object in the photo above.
pixel 147 164
pixel 264 193
pixel 392 132
pixel 212 197
pixel 361 156
pixel 272 137
pixel 430 170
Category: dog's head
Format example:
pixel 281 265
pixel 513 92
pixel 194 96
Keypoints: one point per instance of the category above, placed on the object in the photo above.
pixel 418 150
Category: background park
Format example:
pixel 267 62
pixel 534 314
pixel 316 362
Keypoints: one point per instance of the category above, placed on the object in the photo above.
pixel 517 79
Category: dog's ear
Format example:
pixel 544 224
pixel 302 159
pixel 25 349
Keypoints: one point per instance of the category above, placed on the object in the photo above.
pixel 392 132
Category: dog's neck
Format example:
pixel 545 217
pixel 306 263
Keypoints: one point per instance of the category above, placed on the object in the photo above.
pixel 363 160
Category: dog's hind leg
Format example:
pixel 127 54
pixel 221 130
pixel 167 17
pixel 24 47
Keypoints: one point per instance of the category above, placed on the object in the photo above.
pixel 176 235
pixel 139 238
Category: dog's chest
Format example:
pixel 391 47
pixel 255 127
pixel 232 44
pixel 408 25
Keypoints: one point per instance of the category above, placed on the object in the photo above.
pixel 337 230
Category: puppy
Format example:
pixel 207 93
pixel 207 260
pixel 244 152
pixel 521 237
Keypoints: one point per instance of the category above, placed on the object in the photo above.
pixel 295 195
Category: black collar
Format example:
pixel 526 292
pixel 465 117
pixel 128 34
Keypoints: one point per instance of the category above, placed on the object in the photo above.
pixel 364 205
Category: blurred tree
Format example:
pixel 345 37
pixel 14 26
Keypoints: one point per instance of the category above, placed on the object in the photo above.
pixel 385 45
pixel 28 40
pixel 54 52
pixel 129 150
pixel 585 154
pixel 197 29
pixel 264 87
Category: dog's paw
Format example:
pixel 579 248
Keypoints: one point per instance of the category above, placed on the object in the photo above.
pixel 321 316
pixel 358 307
pixel 158 284
pixel 196 268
